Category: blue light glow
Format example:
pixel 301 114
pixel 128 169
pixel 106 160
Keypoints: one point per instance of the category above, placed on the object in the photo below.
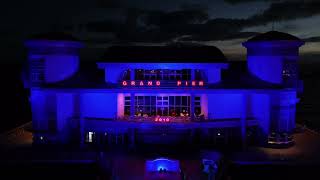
pixel 164 164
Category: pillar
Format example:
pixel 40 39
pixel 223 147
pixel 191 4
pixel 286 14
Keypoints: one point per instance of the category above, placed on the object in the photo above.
pixel 243 120
pixel 116 136
pixel 122 138
pixel 205 135
pixel 82 133
pixel 193 77
pixel 132 106
pixel 81 122
pixel 191 137
pixel 98 139
pixel 192 106
pixel 132 74
pixel 109 139
pixel 226 136
pixel 131 138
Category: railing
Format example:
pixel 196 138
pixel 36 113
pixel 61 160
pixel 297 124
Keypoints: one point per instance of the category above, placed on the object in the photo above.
pixel 164 119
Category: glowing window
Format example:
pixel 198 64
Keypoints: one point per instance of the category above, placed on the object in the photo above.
pixel 90 137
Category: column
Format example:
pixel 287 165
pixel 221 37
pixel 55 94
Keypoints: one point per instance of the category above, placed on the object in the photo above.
pixel 131 138
pixel 82 133
pixel 243 121
pixel 132 106
pixel 132 74
pixel 116 136
pixel 81 122
pixel 226 136
pixel 193 77
pixel 109 139
pixel 192 106
pixel 191 137
pixel 98 139
pixel 122 138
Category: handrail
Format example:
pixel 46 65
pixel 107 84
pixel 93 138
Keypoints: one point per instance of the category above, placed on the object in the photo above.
pixel 19 129
pixel 189 120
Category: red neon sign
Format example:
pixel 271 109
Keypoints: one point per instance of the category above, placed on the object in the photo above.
pixel 162 119
pixel 158 83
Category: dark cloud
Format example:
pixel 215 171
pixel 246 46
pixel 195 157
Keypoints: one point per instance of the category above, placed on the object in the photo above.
pixel 249 1
pixel 110 3
pixel 177 17
pixel 194 24
pixel 245 1
pixel 286 11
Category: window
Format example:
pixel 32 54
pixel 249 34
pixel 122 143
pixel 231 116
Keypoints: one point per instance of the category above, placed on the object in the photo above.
pixel 197 105
pixel 159 105
pixel 145 105
pixel 198 75
pixel 37 70
pixel 139 74
pixel 127 103
pixel 289 73
pixel 186 74
pixel 160 74
pixel 179 105
pixel 126 75
pixel 90 136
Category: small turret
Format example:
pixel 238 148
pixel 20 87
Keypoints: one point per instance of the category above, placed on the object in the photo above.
pixel 52 57
pixel 273 57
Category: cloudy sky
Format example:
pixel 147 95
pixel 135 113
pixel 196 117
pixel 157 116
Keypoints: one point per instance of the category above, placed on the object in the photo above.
pixel 223 23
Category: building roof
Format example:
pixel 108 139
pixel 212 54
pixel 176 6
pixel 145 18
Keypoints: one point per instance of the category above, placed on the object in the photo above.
pixel 236 77
pixel 54 36
pixel 164 54
pixel 274 36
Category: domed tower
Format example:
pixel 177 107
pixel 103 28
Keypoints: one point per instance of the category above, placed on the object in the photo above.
pixel 273 57
pixel 52 57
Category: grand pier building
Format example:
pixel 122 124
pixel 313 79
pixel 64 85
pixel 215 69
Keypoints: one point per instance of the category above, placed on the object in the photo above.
pixel 163 94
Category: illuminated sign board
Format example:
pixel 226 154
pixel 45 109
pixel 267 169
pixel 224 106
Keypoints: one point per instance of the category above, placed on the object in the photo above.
pixel 158 83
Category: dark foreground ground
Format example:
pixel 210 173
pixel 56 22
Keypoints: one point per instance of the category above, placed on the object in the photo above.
pixel 20 160
pixel 91 171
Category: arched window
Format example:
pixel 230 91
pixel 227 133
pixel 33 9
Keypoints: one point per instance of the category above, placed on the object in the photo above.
pixel 289 73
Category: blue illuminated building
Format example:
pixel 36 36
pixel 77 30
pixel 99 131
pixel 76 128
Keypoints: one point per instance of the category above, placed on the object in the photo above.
pixel 163 94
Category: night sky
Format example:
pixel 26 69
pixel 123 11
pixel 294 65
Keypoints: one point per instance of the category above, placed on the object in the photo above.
pixel 100 23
